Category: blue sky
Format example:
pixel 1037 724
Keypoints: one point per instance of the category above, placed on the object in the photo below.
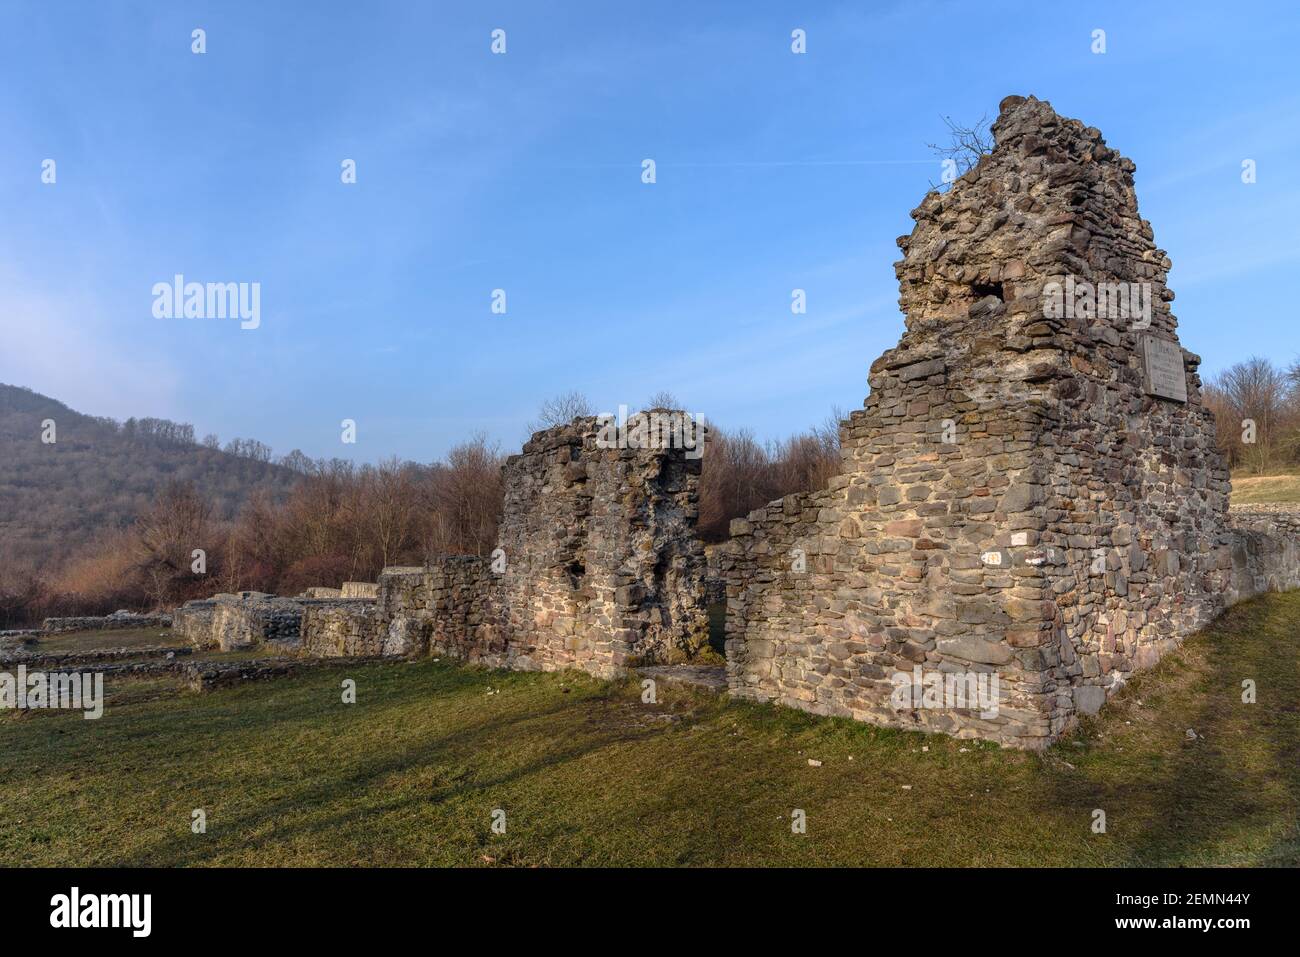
pixel 523 172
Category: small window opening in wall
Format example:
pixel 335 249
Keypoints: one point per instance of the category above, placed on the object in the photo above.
pixel 981 289
pixel 576 572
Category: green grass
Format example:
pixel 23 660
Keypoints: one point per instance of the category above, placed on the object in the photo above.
pixel 588 775
pixel 80 641
pixel 1265 489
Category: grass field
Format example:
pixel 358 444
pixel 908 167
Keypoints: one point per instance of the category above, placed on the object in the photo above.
pixel 1265 489
pixel 588 775
pixel 75 641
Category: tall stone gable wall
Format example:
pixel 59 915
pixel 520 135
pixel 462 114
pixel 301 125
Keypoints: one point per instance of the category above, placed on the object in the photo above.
pixel 598 567
pixel 1011 499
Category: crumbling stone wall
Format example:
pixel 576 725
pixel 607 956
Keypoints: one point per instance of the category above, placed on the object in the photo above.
pixel 598 566
pixel 1015 497
pixel 603 567
pixel 340 629
pixel 451 607
pixel 1265 550
pixel 243 623
pixel 201 625
pixel 241 620
pixel 193 622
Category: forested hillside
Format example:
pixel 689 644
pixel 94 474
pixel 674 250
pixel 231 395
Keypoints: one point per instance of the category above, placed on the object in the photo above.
pixel 99 475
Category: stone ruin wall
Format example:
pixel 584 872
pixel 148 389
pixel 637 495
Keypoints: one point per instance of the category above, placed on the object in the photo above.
pixel 241 620
pixel 117 621
pixel 1000 456
pixel 340 630
pixel 598 567
pixel 356 590
pixel 1013 499
pixel 603 566
pixel 448 607
pixel 1265 550
pixel 193 622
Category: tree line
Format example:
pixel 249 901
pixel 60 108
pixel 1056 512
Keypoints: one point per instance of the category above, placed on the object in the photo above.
pixel 1256 408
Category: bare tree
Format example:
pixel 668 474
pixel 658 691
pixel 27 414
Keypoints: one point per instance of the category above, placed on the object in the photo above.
pixel 465 500
pixel 389 491
pixel 298 461
pixel 662 399
pixel 1254 391
pixel 167 534
pixel 966 144
pixel 560 410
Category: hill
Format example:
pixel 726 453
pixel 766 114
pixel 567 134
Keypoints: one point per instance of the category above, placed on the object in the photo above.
pixel 99 474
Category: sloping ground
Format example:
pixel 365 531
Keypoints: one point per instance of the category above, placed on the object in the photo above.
pixel 587 774
pixel 1265 489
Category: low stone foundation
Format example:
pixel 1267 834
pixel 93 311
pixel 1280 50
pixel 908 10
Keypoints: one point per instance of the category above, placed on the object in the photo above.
pixel 34 658
pixel 204 676
pixel 117 620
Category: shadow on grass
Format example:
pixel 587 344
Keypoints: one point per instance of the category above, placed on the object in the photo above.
pixel 456 758
pixel 1176 800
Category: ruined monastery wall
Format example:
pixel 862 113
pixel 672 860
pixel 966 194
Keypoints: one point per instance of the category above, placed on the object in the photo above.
pixel 1031 496
pixel 1015 495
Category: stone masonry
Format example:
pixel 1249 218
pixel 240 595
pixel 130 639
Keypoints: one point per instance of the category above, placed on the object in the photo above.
pixel 603 566
pixel 1024 492
pixel 115 621
pixel 598 567
pixel 1265 550
pixel 242 620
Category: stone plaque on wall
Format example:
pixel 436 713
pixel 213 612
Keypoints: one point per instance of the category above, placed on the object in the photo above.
pixel 1165 375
